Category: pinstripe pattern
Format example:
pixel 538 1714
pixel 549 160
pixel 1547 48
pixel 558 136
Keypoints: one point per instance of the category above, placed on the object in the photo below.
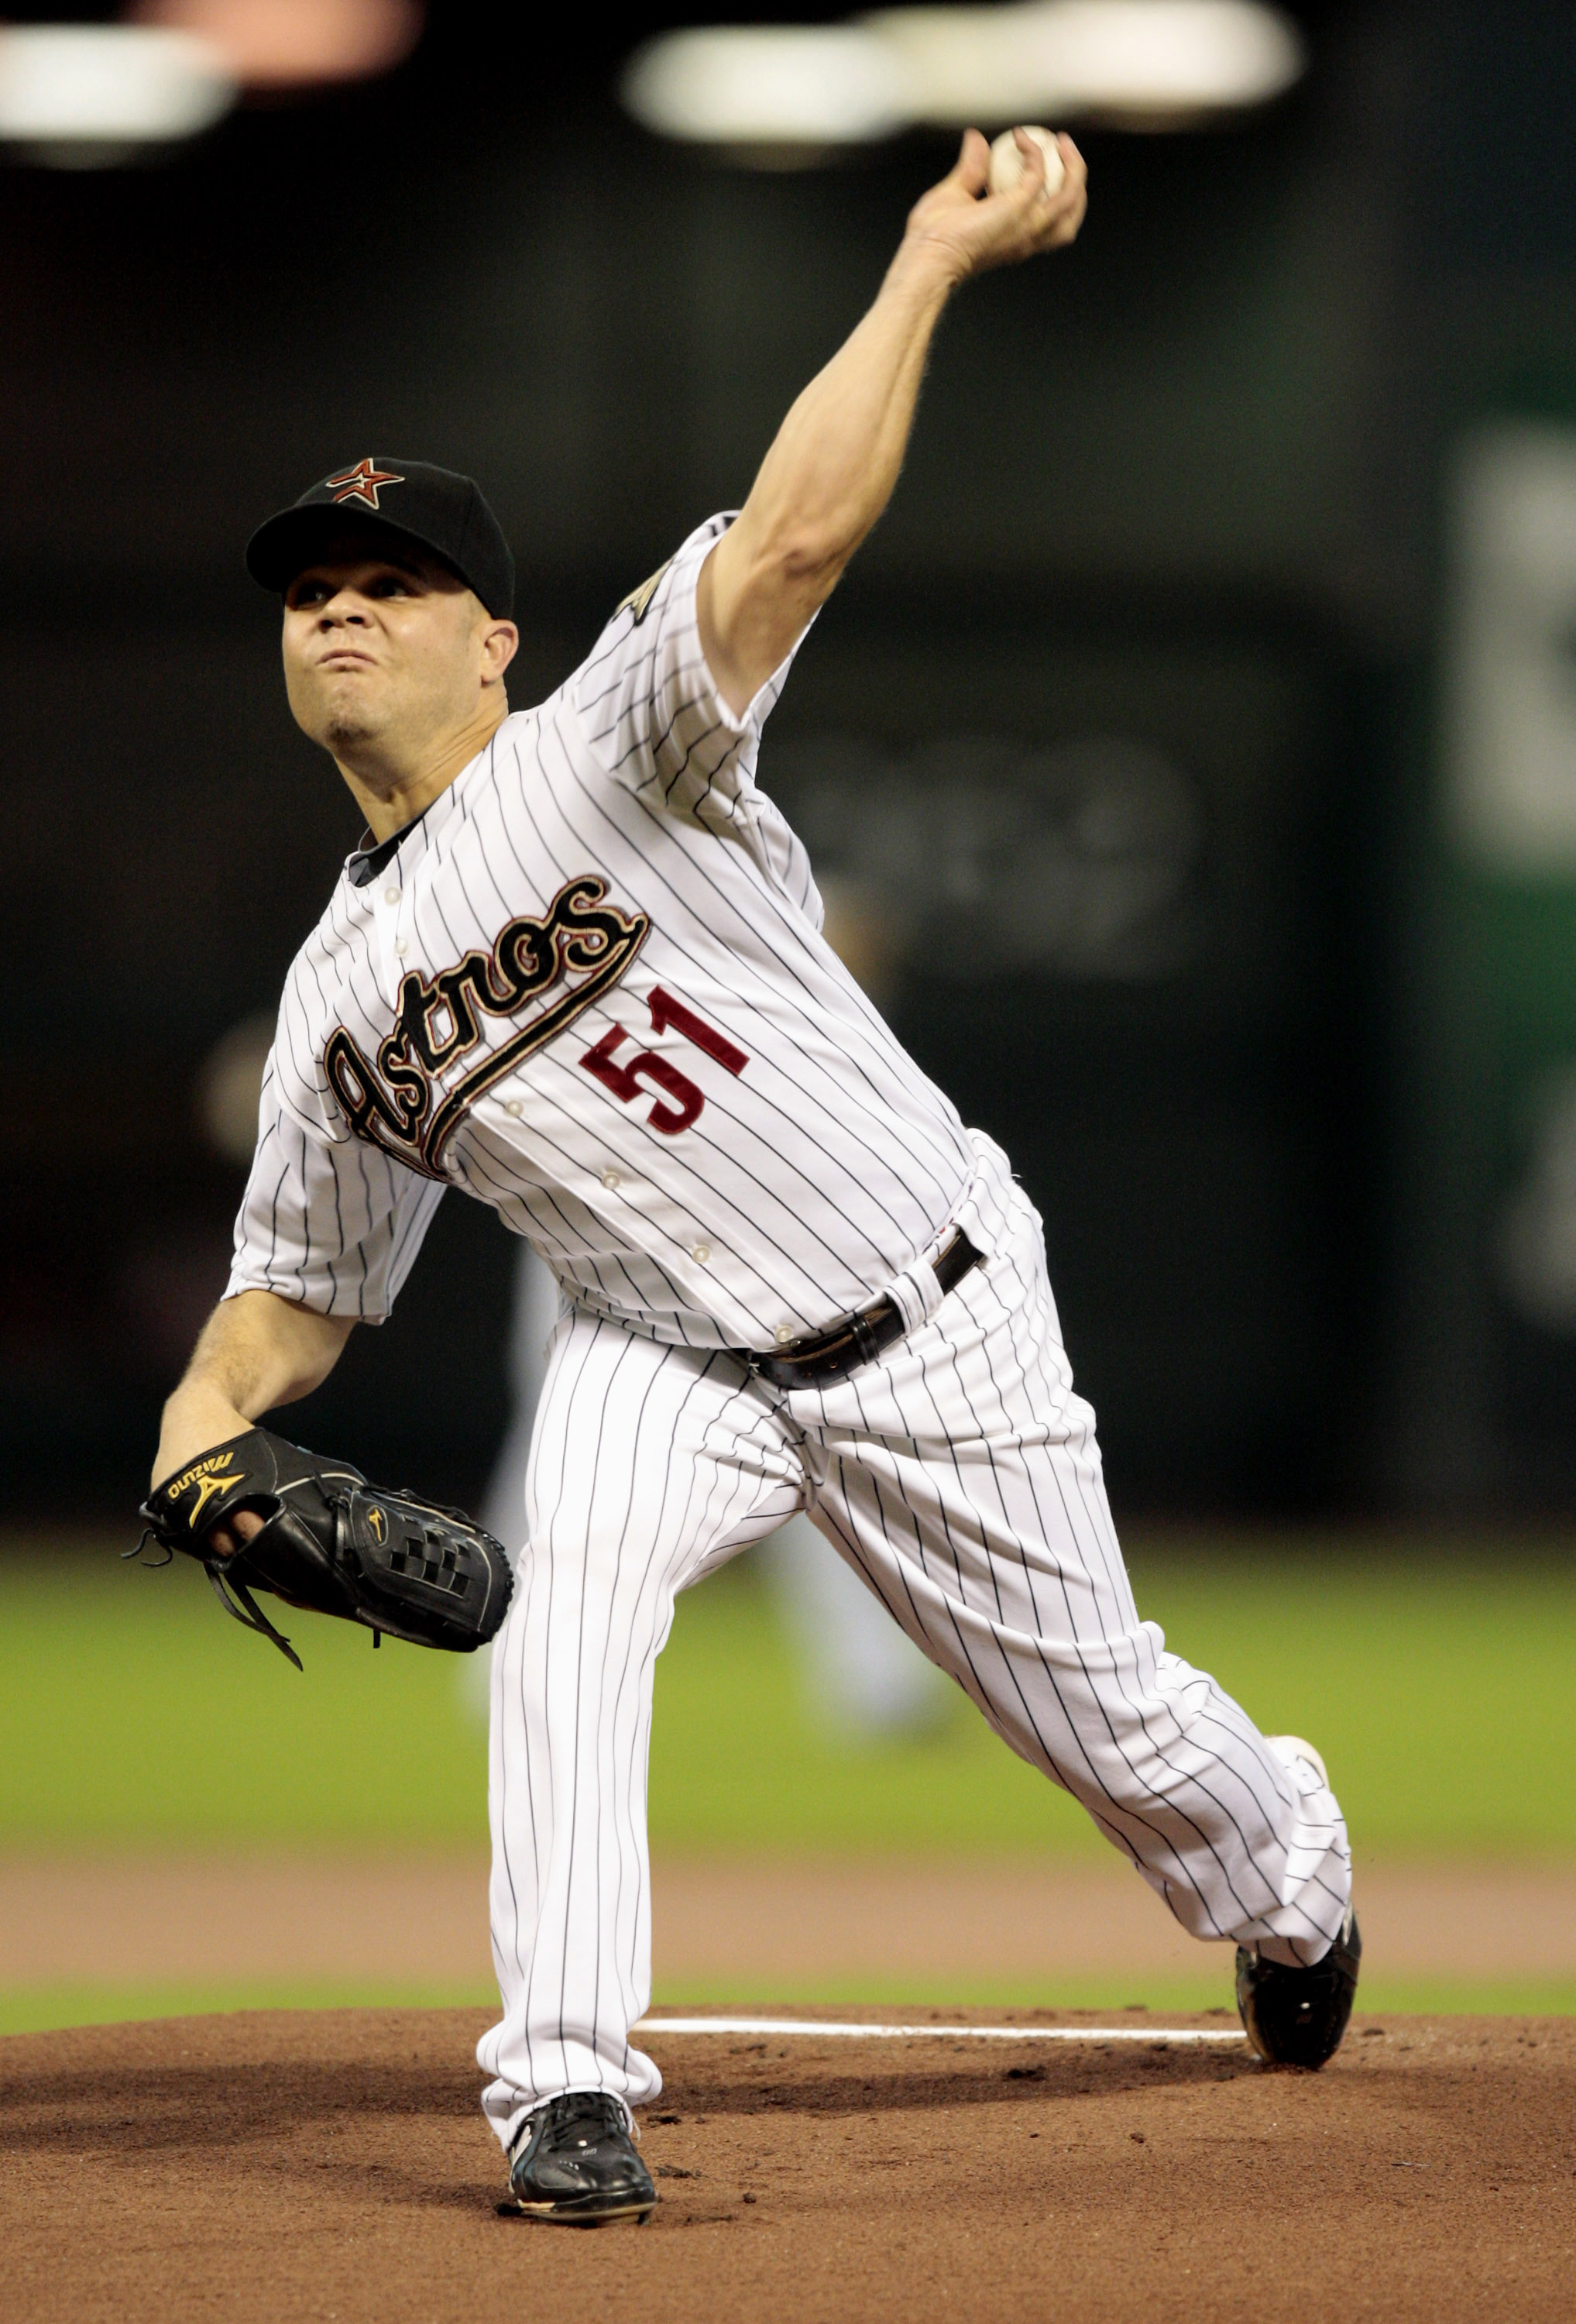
pixel 782 1163
pixel 808 1180
pixel 960 1478
pixel 332 1227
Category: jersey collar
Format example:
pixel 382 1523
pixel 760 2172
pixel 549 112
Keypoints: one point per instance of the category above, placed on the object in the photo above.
pixel 368 861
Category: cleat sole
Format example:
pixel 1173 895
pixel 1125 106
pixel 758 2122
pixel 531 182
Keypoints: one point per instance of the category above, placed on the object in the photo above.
pixel 594 2213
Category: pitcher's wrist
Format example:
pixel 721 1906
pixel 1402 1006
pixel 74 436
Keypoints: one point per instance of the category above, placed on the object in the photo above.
pixel 926 265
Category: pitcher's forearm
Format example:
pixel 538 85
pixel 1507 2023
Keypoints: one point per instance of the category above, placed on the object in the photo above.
pixel 835 460
pixel 255 1352
pixel 829 474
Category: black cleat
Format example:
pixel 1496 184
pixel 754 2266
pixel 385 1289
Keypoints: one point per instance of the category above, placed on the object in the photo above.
pixel 573 2163
pixel 1297 2016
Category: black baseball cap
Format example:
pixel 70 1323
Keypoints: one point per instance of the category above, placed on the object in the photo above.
pixel 396 499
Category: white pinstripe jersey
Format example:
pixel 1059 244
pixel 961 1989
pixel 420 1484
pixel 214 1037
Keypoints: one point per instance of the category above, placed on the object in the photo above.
pixel 589 987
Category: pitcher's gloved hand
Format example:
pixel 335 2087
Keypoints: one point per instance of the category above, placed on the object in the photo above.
pixel 332 1543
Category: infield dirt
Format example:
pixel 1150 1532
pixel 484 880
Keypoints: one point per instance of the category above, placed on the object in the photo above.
pixel 332 2165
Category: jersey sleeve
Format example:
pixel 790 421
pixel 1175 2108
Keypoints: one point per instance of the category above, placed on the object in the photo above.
pixel 331 1223
pixel 651 711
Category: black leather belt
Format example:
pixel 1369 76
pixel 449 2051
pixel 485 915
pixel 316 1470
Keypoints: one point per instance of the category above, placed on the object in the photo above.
pixel 832 1356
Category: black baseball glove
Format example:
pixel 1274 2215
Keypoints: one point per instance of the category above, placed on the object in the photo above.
pixel 334 1544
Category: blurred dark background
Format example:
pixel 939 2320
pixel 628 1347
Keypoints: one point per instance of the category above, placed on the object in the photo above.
pixel 1133 723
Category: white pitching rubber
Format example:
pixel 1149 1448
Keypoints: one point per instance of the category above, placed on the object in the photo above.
pixel 650 2027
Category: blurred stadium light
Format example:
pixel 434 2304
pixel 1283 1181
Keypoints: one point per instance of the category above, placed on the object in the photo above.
pixel 1149 63
pixel 1156 62
pixel 93 95
pixel 85 95
pixel 750 85
pixel 295 44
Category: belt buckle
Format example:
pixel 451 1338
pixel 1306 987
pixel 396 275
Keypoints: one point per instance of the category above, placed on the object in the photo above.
pixel 862 1329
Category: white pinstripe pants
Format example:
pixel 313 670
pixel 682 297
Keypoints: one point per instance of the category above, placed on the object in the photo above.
pixel 960 1478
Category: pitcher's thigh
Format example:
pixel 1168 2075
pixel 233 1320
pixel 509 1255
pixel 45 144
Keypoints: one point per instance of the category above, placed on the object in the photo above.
pixel 650 1464
pixel 963 1482
pixel 965 1468
pixel 973 1501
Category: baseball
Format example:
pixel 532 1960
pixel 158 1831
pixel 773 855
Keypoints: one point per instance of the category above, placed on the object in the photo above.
pixel 1006 161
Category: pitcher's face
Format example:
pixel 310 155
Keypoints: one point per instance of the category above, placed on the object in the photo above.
pixel 383 650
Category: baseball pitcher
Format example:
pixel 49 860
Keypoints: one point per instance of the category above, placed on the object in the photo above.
pixel 576 969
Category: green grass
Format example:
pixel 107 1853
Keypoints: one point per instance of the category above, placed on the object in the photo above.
pixel 43 2008
pixel 132 1711
pixel 1208 1987
pixel 1439 1689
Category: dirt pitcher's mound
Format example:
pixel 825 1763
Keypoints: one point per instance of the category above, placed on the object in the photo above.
pixel 332 2165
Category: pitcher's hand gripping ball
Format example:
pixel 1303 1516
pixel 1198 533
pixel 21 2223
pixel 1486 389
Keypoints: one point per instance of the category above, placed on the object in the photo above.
pixel 1006 163
pixel 333 1544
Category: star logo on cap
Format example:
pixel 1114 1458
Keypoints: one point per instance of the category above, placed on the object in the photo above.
pixel 360 484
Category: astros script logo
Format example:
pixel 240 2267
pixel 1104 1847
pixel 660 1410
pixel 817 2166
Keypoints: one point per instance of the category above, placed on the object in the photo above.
pixel 406 1098
pixel 360 484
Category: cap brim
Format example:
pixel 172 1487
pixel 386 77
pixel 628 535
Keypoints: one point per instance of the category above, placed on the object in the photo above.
pixel 289 542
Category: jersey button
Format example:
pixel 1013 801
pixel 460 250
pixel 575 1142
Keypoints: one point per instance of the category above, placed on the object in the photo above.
pixel 401 947
pixel 611 1181
pixel 515 1105
pixel 700 1253
pixel 783 1335
pixel 390 895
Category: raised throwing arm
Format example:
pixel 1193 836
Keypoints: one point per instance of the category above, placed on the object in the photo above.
pixel 831 470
